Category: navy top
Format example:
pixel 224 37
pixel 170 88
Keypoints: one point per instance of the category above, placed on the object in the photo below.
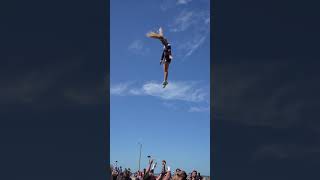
pixel 166 53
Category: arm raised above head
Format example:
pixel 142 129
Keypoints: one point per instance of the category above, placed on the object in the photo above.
pixel 149 166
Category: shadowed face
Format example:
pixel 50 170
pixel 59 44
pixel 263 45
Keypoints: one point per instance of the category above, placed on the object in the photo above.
pixel 194 174
pixel 180 175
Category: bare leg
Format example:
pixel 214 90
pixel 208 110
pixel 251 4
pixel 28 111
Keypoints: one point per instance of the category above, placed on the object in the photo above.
pixel 165 68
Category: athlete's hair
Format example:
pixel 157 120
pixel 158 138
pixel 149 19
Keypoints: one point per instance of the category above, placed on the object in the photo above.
pixel 156 35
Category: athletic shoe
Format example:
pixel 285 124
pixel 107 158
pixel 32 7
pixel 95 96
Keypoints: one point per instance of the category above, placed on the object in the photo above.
pixel 165 83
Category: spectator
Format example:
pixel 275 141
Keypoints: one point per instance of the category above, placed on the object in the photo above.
pixel 165 174
pixel 163 170
pixel 193 175
pixel 199 177
pixel 151 174
pixel 114 174
pixel 180 175
pixel 126 175
pixel 147 175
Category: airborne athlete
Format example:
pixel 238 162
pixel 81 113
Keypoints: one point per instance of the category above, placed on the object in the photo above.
pixel 166 54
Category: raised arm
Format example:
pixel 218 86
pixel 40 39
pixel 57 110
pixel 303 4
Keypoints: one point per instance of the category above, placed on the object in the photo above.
pixel 149 166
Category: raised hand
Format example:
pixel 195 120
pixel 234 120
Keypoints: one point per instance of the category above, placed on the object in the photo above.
pixel 151 161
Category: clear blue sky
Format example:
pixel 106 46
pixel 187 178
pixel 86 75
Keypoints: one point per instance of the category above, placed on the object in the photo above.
pixel 171 123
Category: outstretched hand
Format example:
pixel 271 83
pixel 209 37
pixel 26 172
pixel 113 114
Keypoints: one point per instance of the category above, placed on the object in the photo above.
pixel 151 161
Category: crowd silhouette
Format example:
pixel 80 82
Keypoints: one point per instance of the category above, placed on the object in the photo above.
pixel 117 173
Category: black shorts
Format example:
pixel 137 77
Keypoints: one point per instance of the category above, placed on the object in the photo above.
pixel 168 61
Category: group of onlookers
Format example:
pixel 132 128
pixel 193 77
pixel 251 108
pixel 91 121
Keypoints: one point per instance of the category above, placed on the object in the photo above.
pixel 148 173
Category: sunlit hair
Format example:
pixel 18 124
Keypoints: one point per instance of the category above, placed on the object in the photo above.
pixel 156 35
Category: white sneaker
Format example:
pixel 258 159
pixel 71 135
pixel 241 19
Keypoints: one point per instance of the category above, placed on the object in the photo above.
pixel 165 83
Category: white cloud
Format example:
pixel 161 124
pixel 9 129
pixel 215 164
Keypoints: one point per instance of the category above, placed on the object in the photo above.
pixel 182 91
pixel 183 21
pixel 138 47
pixel 199 109
pixel 168 4
pixel 183 1
pixel 194 29
pixel 185 91
pixel 190 46
pixel 119 89
pixel 190 19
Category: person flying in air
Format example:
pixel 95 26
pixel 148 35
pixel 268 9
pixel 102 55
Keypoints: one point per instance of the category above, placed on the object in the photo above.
pixel 166 54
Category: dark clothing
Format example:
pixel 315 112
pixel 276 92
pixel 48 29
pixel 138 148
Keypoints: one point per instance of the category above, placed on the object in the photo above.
pixel 166 53
pixel 163 170
pixel 146 176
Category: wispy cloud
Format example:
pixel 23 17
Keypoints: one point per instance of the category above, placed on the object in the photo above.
pixel 183 21
pixel 138 47
pixel 183 1
pixel 119 89
pixel 194 26
pixel 191 26
pixel 183 91
pixel 190 46
pixel 168 4
pixel 199 109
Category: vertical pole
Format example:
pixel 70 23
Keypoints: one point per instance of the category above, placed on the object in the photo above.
pixel 140 155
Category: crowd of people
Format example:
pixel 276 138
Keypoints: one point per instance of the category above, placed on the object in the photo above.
pixel 117 173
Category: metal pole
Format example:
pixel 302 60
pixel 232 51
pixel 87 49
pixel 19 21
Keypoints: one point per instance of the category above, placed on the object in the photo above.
pixel 140 155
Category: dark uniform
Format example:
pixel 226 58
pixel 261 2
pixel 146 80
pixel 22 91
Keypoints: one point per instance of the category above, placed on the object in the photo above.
pixel 166 53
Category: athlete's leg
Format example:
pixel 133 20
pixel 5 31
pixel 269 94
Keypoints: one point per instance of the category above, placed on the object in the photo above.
pixel 166 68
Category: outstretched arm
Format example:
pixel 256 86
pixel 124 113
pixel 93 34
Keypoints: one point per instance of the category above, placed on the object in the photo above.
pixel 149 167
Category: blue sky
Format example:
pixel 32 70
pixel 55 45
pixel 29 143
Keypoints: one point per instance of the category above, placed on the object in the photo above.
pixel 171 123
